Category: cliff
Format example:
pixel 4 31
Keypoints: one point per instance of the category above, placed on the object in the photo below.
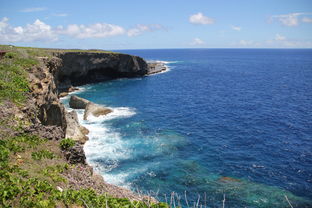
pixel 80 68
pixel 31 80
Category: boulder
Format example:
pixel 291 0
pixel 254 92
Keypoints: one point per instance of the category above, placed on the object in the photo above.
pixel 63 94
pixel 76 154
pixel 78 102
pixel 95 110
pixel 74 130
pixel 84 130
pixel 72 89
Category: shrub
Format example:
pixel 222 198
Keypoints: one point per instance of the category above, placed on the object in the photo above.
pixel 67 143
pixel 10 55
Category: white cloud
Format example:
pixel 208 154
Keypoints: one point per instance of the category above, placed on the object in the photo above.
pixel 140 28
pixel 307 20
pixel 279 37
pixel 40 31
pixel 3 23
pixel 97 30
pixel 197 42
pixel 236 28
pixel 288 19
pixel 292 19
pixel 201 19
pixel 35 9
pixel 287 44
pixel 37 31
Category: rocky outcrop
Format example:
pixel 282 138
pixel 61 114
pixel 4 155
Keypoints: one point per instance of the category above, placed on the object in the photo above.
pixel 47 117
pixel 76 154
pixel 49 132
pixel 74 130
pixel 156 67
pixel 95 110
pixel 80 68
pixel 44 94
pixel 78 102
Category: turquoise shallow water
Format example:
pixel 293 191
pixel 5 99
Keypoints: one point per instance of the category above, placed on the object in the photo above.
pixel 233 122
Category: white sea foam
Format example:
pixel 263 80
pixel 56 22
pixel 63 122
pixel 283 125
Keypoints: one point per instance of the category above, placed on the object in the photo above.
pixel 105 147
pixel 164 62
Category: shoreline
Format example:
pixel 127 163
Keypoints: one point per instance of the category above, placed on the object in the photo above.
pixel 161 68
pixel 90 169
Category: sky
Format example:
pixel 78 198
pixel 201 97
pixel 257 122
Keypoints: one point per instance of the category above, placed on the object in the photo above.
pixel 146 24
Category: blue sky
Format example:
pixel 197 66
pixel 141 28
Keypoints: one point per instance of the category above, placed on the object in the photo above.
pixel 138 24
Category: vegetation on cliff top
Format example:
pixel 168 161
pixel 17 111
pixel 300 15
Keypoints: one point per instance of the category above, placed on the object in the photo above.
pixel 13 73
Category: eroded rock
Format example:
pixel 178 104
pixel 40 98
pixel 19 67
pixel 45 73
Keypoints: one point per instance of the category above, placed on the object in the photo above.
pixel 49 132
pixel 95 110
pixel 78 102
pixel 74 130
pixel 76 154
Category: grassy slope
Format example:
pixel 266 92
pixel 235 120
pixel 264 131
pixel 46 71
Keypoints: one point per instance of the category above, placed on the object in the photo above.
pixel 32 168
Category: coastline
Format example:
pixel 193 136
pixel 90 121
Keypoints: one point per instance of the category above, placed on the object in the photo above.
pixel 119 191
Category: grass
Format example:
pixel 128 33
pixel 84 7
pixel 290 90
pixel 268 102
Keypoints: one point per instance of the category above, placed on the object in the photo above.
pixel 14 85
pixel 48 50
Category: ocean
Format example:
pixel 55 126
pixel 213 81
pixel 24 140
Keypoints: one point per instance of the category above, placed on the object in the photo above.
pixel 233 124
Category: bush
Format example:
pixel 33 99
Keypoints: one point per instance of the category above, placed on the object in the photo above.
pixel 67 143
pixel 10 55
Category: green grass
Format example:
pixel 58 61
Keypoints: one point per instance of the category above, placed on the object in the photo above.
pixel 42 154
pixel 13 74
pixel 49 50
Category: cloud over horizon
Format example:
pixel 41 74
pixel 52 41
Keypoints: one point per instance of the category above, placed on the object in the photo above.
pixel 97 30
pixel 292 19
pixel 279 37
pixel 40 31
pixel 197 42
pixel 37 31
pixel 141 28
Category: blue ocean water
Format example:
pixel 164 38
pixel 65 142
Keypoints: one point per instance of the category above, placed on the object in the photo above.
pixel 233 123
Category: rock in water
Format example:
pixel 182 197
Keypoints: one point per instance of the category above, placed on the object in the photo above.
pixel 63 94
pixel 74 130
pixel 78 102
pixel 95 110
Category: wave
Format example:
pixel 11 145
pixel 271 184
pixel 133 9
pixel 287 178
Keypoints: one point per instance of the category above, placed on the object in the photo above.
pixel 105 147
pixel 166 64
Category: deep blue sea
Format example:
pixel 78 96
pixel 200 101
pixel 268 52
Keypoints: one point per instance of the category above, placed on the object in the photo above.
pixel 221 123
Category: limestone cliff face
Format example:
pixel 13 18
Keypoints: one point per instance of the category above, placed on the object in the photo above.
pixel 83 67
pixel 66 69
pixel 44 93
